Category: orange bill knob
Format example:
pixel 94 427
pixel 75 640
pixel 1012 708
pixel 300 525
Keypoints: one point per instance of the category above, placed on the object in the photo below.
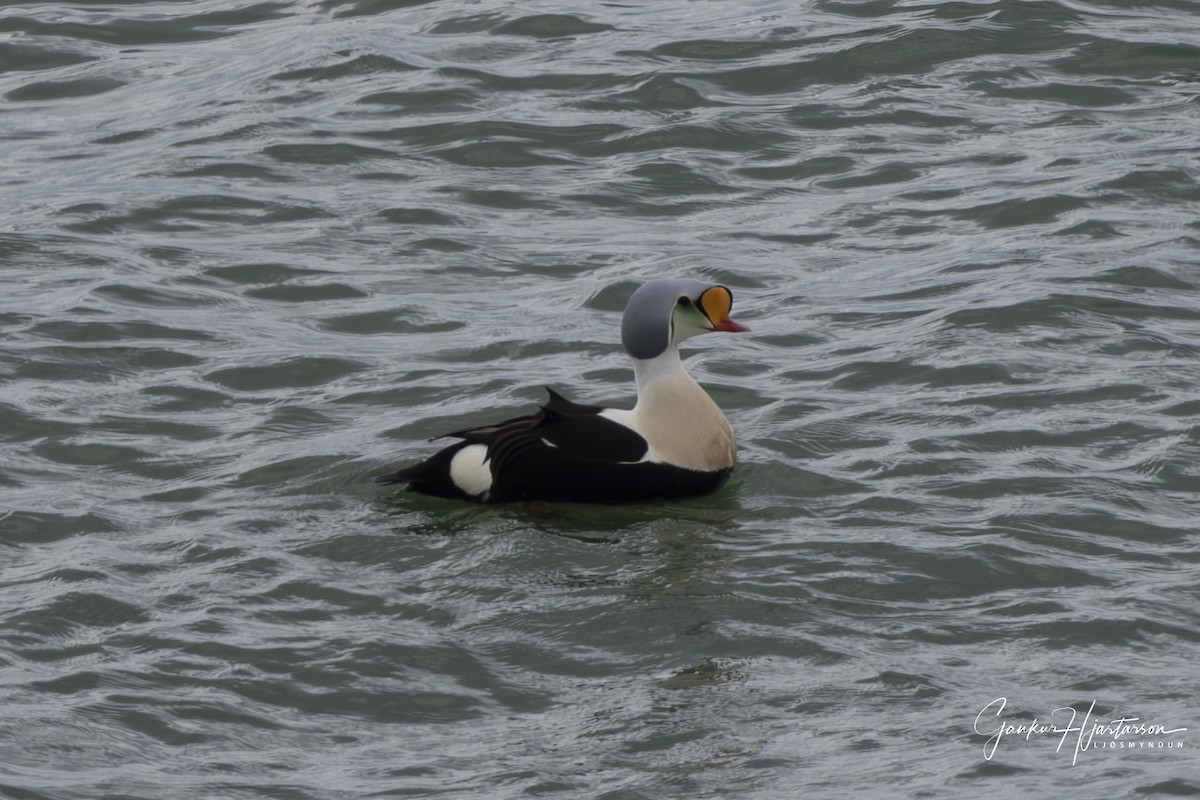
pixel 715 303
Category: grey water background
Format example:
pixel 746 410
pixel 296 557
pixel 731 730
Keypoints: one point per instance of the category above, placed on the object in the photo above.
pixel 254 253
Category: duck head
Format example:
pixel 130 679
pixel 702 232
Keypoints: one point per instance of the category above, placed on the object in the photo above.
pixel 665 311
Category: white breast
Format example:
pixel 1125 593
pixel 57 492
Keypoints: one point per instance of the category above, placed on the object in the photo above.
pixel 679 421
pixel 683 425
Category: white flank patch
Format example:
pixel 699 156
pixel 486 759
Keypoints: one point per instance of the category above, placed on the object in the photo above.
pixel 621 416
pixel 468 471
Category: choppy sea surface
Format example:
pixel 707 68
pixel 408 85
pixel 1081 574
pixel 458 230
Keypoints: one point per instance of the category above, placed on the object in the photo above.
pixel 254 253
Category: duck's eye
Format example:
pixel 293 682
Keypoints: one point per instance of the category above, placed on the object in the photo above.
pixel 685 301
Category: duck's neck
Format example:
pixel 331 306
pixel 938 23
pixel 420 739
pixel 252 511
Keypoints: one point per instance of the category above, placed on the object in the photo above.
pixel 680 421
pixel 649 371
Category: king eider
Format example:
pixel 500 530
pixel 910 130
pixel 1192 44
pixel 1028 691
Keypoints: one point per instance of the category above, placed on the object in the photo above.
pixel 675 442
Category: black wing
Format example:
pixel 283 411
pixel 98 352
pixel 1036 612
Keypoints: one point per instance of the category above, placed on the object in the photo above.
pixel 573 454
pixel 560 421
pixel 541 472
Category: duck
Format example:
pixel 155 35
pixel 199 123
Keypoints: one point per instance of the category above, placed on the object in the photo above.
pixel 674 443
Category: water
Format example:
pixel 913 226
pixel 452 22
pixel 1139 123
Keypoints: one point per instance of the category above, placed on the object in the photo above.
pixel 253 254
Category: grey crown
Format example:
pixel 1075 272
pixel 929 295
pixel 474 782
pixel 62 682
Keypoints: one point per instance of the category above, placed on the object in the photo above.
pixel 646 326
